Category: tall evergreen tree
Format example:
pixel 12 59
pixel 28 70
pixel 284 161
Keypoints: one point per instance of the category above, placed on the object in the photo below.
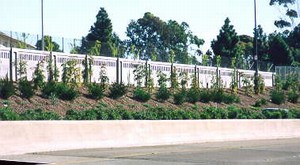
pixel 100 31
pixel 226 41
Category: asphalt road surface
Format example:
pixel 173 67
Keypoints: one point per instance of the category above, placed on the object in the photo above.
pixel 270 152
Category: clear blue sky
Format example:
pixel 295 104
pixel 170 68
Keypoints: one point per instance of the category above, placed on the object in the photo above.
pixel 73 18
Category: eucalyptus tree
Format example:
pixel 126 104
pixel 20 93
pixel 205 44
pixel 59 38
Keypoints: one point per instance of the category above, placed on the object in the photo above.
pixel 291 9
pixel 153 38
pixel 145 37
pixel 294 43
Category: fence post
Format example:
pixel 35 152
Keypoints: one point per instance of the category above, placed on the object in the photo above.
pixel 16 66
pixel 117 71
pixel 10 64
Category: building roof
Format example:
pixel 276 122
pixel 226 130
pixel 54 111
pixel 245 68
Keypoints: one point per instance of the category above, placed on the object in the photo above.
pixel 13 40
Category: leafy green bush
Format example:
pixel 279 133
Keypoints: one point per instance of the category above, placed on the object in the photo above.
pixel 141 95
pixel 260 102
pixel 38 76
pixel 277 114
pixel 231 98
pixel 117 90
pixel 38 114
pixel 217 95
pixel 193 95
pixel 26 88
pixel 163 93
pixel 96 91
pixel 244 113
pixel 214 113
pixel 49 89
pixel 293 96
pixel 179 97
pixel 7 88
pixel 7 114
pixel 277 96
pixel 125 114
pixel 205 95
pixel 65 92
pixel 61 90
pixel 296 113
pixel 73 115
pixel 290 82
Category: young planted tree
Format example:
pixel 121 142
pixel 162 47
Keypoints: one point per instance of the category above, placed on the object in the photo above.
pixel 22 69
pixel 38 76
pixel 149 83
pixel 103 78
pixel 53 72
pixel 71 73
pixel 234 83
pixel 87 71
pixel 139 73
pixel 174 79
pixel 247 85
pixel 216 79
pixel 163 93
pixel 180 96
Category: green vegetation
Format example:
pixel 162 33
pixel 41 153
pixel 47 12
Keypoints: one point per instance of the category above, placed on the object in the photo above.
pixel 151 113
pixel 117 90
pixel 61 90
pixel 26 88
pixel 163 93
pixel 140 94
pixel 7 88
pixel 260 102
pixel 180 97
pixel 96 91
pixel 277 96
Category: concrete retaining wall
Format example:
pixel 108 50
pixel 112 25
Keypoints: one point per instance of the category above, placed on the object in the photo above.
pixel 18 137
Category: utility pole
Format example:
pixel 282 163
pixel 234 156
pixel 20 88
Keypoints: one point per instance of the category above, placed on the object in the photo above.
pixel 255 52
pixel 42 14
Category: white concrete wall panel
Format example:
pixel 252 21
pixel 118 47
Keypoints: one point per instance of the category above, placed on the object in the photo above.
pixel 205 73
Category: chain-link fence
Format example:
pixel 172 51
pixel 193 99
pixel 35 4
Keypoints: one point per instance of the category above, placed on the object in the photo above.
pixel 245 64
pixel 29 41
pixel 284 72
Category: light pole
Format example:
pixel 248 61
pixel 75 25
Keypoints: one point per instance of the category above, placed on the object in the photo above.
pixel 42 14
pixel 255 52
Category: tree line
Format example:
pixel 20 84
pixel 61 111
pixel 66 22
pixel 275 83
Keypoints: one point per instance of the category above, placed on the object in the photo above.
pixel 150 38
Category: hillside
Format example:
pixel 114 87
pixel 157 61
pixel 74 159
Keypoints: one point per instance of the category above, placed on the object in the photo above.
pixel 82 102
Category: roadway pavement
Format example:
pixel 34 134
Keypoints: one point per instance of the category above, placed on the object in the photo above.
pixel 263 152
